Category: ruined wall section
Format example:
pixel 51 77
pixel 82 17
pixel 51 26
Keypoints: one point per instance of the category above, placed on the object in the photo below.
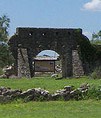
pixel 78 70
pixel 45 38
pixel 23 64
pixel 34 40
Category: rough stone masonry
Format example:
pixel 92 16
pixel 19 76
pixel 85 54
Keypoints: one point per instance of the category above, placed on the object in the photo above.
pixel 26 43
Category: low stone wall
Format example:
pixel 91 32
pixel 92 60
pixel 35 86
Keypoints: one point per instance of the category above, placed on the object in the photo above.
pixel 38 94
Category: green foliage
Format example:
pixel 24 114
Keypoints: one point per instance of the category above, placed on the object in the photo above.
pixel 4 25
pixel 89 52
pixel 96 74
pixel 94 93
pixel 86 50
pixel 1 71
pixel 96 42
pixel 5 55
pixel 96 38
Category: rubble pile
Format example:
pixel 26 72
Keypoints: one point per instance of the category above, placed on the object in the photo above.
pixel 38 94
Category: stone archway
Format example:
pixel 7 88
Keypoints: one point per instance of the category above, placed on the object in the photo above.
pixel 30 41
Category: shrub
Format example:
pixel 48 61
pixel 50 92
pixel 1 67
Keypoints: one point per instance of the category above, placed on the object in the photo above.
pixel 94 93
pixel 1 71
pixel 96 74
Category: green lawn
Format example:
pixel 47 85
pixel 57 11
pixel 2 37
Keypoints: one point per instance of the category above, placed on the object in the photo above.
pixel 52 109
pixel 56 109
pixel 46 83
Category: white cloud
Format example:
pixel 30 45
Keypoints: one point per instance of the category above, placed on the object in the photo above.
pixel 94 5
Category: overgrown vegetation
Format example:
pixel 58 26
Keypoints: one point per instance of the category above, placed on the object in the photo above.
pixel 90 51
pixel 96 38
pixel 87 51
pixel 1 71
pixel 96 74
pixel 5 56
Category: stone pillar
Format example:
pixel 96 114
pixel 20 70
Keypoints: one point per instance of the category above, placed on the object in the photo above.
pixel 67 63
pixel 23 63
pixel 77 64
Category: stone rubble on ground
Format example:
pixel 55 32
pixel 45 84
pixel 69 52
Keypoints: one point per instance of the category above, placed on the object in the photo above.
pixel 38 94
pixel 9 72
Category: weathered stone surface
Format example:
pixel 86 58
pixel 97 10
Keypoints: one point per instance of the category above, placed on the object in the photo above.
pixel 38 94
pixel 84 86
pixel 9 72
pixel 77 64
pixel 69 92
pixel 23 64
pixel 4 89
pixel 13 76
pixel 5 99
pixel 54 75
pixel 13 93
pixel 3 76
pixel 30 41
pixel 35 94
pixel 27 93
pixel 68 88
pixel 8 93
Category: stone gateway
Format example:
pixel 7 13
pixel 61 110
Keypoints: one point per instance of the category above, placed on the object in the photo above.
pixel 70 44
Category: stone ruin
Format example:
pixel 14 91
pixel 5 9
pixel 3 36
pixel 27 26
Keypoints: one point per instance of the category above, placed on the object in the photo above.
pixel 74 49
pixel 37 94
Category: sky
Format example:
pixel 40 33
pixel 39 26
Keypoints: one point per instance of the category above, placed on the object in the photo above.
pixel 50 53
pixel 84 14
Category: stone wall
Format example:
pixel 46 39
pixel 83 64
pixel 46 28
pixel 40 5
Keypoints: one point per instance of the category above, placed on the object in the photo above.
pixel 23 64
pixel 77 64
pixel 35 40
pixel 37 94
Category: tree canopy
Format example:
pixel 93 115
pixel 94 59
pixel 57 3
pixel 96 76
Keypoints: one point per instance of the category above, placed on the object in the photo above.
pixel 5 55
pixel 96 38
pixel 4 25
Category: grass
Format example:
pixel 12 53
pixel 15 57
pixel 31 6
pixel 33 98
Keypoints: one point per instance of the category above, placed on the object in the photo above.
pixel 57 109
pixel 52 109
pixel 46 83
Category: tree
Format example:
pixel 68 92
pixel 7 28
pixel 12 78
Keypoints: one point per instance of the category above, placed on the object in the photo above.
pixel 5 55
pixel 99 34
pixel 4 25
pixel 96 38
